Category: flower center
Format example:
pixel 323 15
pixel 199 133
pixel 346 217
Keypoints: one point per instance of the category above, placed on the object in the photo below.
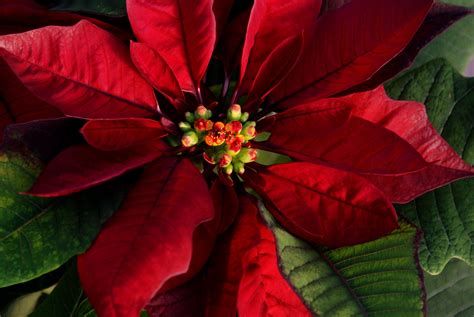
pixel 224 142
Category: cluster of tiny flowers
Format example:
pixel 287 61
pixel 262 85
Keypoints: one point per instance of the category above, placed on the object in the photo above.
pixel 225 143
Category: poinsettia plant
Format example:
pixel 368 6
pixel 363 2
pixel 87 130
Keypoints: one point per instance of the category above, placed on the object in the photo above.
pixel 248 155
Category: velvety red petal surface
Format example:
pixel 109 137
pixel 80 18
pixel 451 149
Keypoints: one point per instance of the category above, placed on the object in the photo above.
pixel 125 266
pixel 183 32
pixel 50 62
pixel 263 291
pixel 82 166
pixel 17 103
pixel 271 22
pixel 324 205
pixel 117 134
pixel 155 69
pixel 221 11
pixel 275 67
pixel 440 17
pixel 225 266
pixel 323 132
pixel 345 46
pixel 408 119
pixel 23 15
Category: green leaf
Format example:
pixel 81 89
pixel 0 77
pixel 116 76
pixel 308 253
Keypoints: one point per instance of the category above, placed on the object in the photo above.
pixel 379 278
pixel 451 293
pixel 445 215
pixel 38 235
pixel 113 8
pixel 456 44
pixel 66 298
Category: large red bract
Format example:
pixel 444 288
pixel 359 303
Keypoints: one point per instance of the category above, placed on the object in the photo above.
pixel 353 155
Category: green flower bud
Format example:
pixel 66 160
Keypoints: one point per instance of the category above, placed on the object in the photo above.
pixel 248 131
pixel 238 167
pixel 189 139
pixel 228 169
pixel 234 113
pixel 185 126
pixel 244 117
pixel 247 155
pixel 189 117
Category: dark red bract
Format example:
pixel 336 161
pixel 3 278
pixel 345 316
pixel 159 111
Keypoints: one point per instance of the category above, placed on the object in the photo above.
pixel 352 156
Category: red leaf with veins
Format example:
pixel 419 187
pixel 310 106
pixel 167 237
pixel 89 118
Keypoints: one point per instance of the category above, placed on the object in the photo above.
pixel 325 205
pixel 263 291
pixel 323 132
pixel 124 268
pixel 82 166
pixel 23 15
pixel 408 119
pixel 271 22
pixel 117 134
pixel 225 268
pixel 155 69
pixel 17 103
pixel 440 17
pixel 183 32
pixel 277 65
pixel 50 62
pixel 347 46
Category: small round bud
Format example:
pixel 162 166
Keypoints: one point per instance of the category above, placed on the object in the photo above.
pixel 189 117
pixel 202 125
pixel 225 160
pixel 228 169
pixel 249 131
pixel 247 155
pixel 238 167
pixel 244 117
pixel 202 112
pixel 233 127
pixel 234 113
pixel 185 126
pixel 189 139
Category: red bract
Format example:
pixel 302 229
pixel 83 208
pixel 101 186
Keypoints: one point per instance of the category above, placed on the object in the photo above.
pixel 352 155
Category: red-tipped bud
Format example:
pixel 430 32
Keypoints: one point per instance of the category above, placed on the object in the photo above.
pixel 233 127
pixel 202 112
pixel 238 167
pixel 234 113
pixel 202 125
pixel 249 131
pixel 228 169
pixel 225 160
pixel 208 159
pixel 247 155
pixel 189 139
